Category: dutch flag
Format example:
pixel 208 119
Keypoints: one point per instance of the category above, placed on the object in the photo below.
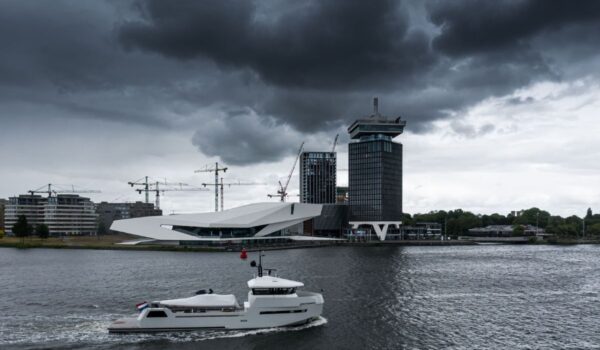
pixel 141 306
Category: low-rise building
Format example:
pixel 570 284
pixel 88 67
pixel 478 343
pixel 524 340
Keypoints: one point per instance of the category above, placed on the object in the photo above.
pixel 70 214
pixel 32 206
pixel 392 231
pixel 109 212
pixel 422 230
pixel 504 231
pixel 64 214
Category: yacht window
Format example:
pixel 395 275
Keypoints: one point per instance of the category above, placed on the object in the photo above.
pixel 273 291
pixel 186 310
pixel 282 312
pixel 156 314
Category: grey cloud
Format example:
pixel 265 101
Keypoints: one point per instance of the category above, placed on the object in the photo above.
pixel 520 100
pixel 245 139
pixel 486 129
pixel 470 131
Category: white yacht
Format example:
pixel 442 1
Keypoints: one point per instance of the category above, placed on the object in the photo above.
pixel 272 302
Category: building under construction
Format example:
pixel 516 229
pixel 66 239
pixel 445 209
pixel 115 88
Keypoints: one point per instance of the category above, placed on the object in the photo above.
pixel 318 177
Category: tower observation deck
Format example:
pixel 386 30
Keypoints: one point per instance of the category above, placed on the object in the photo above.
pixel 376 125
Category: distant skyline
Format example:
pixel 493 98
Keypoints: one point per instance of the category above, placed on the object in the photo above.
pixel 501 98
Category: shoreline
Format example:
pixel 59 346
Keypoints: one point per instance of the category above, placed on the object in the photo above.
pixel 173 248
pixel 113 245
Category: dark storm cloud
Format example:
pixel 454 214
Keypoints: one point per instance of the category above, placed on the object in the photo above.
pixel 62 61
pixel 323 44
pixel 323 61
pixel 473 26
pixel 298 67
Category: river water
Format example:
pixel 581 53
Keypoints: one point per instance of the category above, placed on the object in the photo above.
pixel 467 297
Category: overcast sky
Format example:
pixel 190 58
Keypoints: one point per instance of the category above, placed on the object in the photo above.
pixel 501 97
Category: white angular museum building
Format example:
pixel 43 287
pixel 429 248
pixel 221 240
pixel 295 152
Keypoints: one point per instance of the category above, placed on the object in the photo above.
pixel 257 221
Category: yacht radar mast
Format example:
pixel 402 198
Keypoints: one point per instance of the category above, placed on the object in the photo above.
pixel 259 267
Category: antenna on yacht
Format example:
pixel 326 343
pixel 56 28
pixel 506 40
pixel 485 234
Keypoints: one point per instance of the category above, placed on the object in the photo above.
pixel 259 267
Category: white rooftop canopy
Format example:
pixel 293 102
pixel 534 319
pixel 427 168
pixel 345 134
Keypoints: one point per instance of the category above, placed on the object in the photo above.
pixel 273 282
pixel 206 300
pixel 271 217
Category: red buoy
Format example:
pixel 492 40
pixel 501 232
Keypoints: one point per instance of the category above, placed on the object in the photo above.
pixel 243 254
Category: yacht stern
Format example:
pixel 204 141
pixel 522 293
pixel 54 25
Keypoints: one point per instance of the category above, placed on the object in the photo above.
pixel 125 325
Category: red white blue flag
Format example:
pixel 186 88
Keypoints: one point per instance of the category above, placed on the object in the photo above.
pixel 141 306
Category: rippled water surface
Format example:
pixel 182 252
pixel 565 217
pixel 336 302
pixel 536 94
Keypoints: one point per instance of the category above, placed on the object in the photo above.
pixel 472 297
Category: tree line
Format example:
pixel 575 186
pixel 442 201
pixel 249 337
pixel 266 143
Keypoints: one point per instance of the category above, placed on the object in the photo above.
pixel 22 229
pixel 458 222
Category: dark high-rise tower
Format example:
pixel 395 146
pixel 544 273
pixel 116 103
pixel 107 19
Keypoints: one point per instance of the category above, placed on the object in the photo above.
pixel 375 168
pixel 317 177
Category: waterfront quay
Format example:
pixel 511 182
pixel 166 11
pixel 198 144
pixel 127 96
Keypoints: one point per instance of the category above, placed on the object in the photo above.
pixel 114 242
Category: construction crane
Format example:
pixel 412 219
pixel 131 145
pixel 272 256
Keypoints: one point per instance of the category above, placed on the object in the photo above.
pixel 335 142
pixel 222 184
pixel 52 189
pixel 216 170
pixel 145 184
pixel 157 189
pixel 282 191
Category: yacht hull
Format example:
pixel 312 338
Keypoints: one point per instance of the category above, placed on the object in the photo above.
pixel 248 318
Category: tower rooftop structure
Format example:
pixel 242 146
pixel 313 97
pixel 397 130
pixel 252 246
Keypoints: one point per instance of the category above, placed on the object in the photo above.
pixel 376 124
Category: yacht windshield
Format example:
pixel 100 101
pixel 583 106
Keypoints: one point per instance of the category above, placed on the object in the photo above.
pixel 273 291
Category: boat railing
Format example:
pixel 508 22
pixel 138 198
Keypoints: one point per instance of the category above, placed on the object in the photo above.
pixel 202 309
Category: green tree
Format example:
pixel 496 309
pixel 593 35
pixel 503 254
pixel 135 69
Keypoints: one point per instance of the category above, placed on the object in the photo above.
pixel 589 214
pixel 102 228
pixel 567 230
pixel 458 222
pixel 533 216
pixel 494 219
pixel 21 228
pixel 594 230
pixel 555 220
pixel 595 219
pixel 576 224
pixel 518 231
pixel 42 231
